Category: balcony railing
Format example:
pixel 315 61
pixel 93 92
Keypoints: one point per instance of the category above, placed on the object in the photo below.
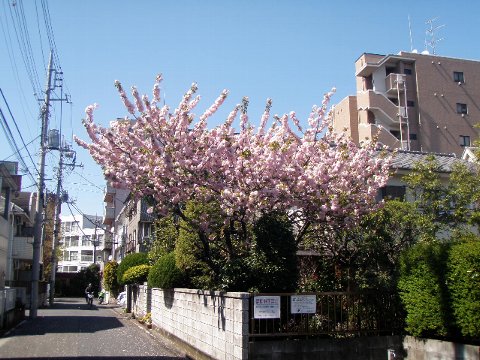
pixel 394 82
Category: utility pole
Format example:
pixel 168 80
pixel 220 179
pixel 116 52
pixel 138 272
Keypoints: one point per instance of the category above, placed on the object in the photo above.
pixel 58 209
pixel 56 229
pixel 95 241
pixel 39 205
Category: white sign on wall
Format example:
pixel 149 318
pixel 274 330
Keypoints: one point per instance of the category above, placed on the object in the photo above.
pixel 266 307
pixel 303 304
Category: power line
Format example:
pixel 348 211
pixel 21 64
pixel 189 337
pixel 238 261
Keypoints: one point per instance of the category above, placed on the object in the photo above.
pixel 40 36
pixel 86 216
pixel 13 61
pixel 16 152
pixel 50 34
pixel 25 47
pixel 19 132
pixel 13 144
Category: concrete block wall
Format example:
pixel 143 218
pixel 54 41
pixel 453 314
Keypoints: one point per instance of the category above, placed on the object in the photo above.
pixel 213 323
pixel 141 300
pixel 430 349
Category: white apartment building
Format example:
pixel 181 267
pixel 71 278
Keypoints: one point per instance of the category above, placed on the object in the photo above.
pixel 82 240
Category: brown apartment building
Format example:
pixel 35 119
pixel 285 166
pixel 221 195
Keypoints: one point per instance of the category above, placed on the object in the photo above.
pixel 413 101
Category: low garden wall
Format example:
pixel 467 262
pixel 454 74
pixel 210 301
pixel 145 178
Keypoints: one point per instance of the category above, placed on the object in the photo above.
pixel 426 349
pixel 215 325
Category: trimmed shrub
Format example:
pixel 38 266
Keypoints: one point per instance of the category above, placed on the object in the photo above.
pixel 110 282
pixel 422 290
pixel 464 285
pixel 165 274
pixel 129 261
pixel 136 274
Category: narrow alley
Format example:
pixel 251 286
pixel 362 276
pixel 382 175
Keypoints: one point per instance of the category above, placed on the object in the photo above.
pixel 70 329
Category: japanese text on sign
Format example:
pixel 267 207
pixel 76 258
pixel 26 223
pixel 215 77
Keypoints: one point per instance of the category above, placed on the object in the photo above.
pixel 266 307
pixel 303 304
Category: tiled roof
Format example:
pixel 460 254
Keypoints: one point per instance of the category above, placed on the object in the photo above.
pixel 407 159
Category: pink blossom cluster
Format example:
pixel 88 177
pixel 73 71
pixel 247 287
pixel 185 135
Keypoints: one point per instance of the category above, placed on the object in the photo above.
pixel 314 174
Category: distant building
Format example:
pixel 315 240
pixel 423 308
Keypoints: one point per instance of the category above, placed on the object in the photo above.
pixel 82 242
pixel 413 101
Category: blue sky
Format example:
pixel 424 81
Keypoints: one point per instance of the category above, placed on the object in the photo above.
pixel 290 51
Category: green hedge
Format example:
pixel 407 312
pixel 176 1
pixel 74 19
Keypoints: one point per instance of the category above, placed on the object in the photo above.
pixel 110 282
pixel 422 290
pixel 136 274
pixel 129 261
pixel 464 286
pixel 165 274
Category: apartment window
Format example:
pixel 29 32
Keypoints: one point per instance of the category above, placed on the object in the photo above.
pixel 75 226
pixel 462 108
pixel 395 133
pixel 74 241
pixel 394 100
pixel 410 103
pixel 67 226
pixel 86 240
pixel 458 77
pixel 87 255
pixel 464 140
pixel 390 70
pixel 413 136
pixel 100 240
pixel 407 71
pixel 368 83
pixel 393 192
pixel 73 255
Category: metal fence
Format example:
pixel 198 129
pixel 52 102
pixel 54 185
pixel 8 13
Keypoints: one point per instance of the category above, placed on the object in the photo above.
pixel 338 314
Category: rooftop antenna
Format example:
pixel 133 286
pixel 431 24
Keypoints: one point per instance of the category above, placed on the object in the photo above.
pixel 431 39
pixel 410 31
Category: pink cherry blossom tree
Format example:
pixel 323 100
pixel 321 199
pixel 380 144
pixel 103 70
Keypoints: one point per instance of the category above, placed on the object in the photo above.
pixel 313 174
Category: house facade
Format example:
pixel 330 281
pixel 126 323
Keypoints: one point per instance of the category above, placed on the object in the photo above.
pixel 412 101
pixel 134 227
pixel 10 184
pixel 129 223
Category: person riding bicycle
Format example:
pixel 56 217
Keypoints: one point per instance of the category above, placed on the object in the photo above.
pixel 88 289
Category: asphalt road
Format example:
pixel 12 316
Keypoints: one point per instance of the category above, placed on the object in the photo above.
pixel 71 330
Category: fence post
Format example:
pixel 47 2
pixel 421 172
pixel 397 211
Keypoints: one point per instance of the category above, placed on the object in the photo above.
pixel 129 298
